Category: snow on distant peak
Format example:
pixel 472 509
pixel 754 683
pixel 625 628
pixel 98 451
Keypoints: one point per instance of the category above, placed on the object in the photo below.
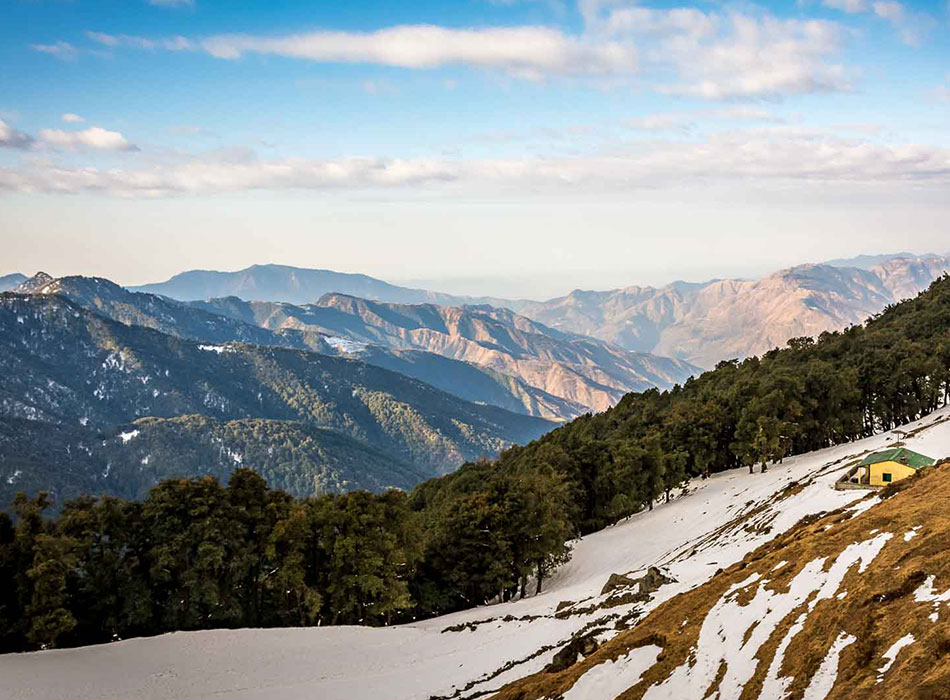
pixel 345 344
pixel 213 348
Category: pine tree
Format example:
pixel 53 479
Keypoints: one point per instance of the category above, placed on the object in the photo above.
pixel 48 615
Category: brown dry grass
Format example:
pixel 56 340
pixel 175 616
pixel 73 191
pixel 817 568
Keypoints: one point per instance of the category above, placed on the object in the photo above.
pixel 879 607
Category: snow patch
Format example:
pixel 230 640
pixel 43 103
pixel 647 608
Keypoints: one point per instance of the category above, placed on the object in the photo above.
pixel 213 348
pixel 611 678
pixel 16 475
pixel 125 437
pixel 890 655
pixel 862 506
pixel 926 594
pixel 732 633
pixel 826 675
pixel 345 344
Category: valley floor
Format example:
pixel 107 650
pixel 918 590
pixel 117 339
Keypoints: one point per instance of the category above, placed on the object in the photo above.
pixel 713 525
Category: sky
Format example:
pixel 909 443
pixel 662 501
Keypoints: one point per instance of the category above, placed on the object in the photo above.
pixel 509 147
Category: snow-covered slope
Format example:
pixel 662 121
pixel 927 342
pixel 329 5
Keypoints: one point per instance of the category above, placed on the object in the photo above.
pixel 473 653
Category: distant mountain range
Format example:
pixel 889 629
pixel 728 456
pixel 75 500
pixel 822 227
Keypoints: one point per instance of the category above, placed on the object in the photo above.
pixel 579 370
pixel 866 262
pixel 315 422
pixel 343 392
pixel 708 322
pixel 294 285
pixel 485 355
pixel 700 323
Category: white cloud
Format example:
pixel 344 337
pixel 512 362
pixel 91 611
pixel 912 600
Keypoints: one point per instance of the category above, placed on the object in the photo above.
pixel 889 10
pixel 103 38
pixel 770 155
pixel 61 49
pixel 849 6
pixel 527 52
pixel 724 54
pixel 645 21
pixel 175 43
pixel 715 55
pixel 910 26
pixel 758 57
pixel 12 138
pixel 94 137
pixel 530 52
pixel 71 118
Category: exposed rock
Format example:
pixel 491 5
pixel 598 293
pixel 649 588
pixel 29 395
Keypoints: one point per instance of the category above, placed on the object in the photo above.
pixel 649 583
pixel 34 284
pixel 617 581
pixel 568 656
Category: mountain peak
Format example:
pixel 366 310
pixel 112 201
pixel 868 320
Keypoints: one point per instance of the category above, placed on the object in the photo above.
pixel 34 284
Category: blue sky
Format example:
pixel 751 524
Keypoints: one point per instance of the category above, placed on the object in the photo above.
pixel 521 147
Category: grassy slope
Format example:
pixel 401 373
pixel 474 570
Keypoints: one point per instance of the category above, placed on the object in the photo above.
pixel 877 606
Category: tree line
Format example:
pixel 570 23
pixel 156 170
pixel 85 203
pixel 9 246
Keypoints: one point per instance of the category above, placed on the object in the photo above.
pixel 196 554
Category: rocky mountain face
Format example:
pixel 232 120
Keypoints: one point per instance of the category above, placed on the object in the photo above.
pixel 33 284
pixel 708 322
pixel 159 313
pixel 580 370
pixel 61 364
pixel 233 320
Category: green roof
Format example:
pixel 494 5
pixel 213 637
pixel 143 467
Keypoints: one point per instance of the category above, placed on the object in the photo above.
pixel 912 459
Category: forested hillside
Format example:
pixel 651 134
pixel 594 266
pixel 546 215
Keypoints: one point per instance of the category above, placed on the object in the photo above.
pixel 302 459
pixel 60 364
pixel 233 320
pixel 487 531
